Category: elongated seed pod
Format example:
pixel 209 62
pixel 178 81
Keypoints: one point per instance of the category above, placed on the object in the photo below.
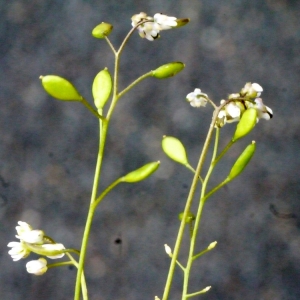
pixel 242 161
pixel 141 173
pixel 246 124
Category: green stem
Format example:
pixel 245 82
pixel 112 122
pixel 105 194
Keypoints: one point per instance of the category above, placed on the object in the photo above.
pixel 188 204
pixel 130 86
pixel 105 192
pixel 102 139
pixel 104 122
pixel 91 109
pixel 191 256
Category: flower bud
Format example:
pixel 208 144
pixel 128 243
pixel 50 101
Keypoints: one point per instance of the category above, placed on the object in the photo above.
pixel 102 30
pixel 246 124
pixel 168 70
pixel 189 218
pixel 182 22
pixel 212 245
pixel 174 149
pixel 37 267
pixel 102 87
pixel 141 173
pixel 60 88
pixel 242 161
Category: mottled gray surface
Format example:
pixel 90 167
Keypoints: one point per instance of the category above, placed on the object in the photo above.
pixel 48 148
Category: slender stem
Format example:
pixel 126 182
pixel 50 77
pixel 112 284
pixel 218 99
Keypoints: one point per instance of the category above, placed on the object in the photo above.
pixel 188 204
pixel 105 192
pixel 110 45
pixel 91 109
pixel 83 282
pixel 130 86
pixel 223 152
pixel 191 256
pixel 102 139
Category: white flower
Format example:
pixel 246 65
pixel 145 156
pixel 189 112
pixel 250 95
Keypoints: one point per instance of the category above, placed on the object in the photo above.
pixel 138 18
pixel 18 250
pixel 257 88
pixel 54 248
pixel 26 234
pixel 231 112
pixel 23 228
pixel 251 90
pixel 197 98
pixel 32 237
pixel 150 29
pixel 164 22
pixel 263 111
pixel 37 267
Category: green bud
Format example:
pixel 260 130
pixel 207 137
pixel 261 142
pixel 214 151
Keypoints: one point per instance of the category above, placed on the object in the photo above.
pixel 102 30
pixel 102 87
pixel 242 161
pixel 141 173
pixel 182 22
pixel 60 88
pixel 189 218
pixel 168 70
pixel 246 123
pixel 174 149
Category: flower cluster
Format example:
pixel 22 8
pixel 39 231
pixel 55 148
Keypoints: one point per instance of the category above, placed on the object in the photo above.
pixel 33 240
pixel 236 104
pixel 151 26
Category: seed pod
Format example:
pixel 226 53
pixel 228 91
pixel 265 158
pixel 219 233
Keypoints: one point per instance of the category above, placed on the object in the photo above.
pixel 174 149
pixel 60 88
pixel 242 161
pixel 102 30
pixel 102 87
pixel 246 124
pixel 189 218
pixel 141 173
pixel 168 70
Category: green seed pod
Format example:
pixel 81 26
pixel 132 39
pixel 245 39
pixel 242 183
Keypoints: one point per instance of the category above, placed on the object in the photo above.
pixel 168 70
pixel 189 218
pixel 246 124
pixel 242 161
pixel 141 173
pixel 174 149
pixel 102 87
pixel 60 88
pixel 102 30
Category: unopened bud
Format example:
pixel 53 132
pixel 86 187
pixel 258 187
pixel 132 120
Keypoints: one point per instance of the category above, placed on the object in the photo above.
pixel 182 22
pixel 189 218
pixel 212 245
pixel 168 250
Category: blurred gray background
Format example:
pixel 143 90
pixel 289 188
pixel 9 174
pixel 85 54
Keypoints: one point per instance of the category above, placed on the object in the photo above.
pixel 48 148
